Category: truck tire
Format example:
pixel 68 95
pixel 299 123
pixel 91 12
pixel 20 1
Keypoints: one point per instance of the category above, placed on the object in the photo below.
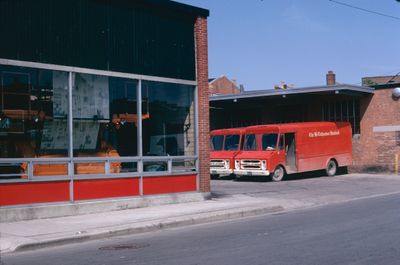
pixel 331 168
pixel 278 174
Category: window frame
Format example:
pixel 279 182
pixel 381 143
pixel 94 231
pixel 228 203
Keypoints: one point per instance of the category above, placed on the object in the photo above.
pixel 225 141
pixel 276 141
pixel 70 160
pixel 254 143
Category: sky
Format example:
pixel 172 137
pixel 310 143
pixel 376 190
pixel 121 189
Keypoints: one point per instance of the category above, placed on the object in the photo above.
pixel 261 43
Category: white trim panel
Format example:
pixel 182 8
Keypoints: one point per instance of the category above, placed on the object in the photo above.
pixel 388 128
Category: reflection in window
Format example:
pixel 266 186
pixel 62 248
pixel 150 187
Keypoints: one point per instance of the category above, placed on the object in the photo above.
pixel 187 165
pixel 155 166
pixel 216 142
pixel 231 142
pixel 250 142
pixel 269 141
pixel 34 121
pixel 29 124
pixel 28 107
pixel 169 126
pixel 105 120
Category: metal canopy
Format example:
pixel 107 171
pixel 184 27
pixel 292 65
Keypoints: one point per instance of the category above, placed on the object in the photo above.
pixel 343 89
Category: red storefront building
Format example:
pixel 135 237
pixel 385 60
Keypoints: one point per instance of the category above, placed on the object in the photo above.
pixel 100 100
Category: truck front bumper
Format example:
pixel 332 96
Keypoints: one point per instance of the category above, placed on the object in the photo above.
pixel 220 171
pixel 246 172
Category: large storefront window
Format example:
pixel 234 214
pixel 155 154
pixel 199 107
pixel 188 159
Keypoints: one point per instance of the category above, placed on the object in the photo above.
pixel 31 125
pixel 34 123
pixel 105 121
pixel 168 119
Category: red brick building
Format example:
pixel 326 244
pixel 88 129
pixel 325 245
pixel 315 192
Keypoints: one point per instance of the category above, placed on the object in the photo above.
pixel 223 85
pixel 379 142
pixel 372 110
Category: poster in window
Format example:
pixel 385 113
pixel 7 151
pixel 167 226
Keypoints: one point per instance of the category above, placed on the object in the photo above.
pixel 54 135
pixel 60 94
pixel 90 96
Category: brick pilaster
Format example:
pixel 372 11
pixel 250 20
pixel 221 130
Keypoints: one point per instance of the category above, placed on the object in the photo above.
pixel 203 103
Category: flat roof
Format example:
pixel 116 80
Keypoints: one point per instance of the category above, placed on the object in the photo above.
pixel 336 89
pixel 164 6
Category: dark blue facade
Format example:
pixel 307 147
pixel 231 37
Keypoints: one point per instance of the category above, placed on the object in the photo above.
pixel 122 36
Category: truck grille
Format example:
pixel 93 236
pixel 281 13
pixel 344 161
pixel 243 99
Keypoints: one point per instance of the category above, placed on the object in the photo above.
pixel 217 163
pixel 251 164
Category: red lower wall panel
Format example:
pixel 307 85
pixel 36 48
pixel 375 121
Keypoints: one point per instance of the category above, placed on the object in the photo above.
pixel 44 192
pixel 169 184
pixel 28 193
pixel 105 188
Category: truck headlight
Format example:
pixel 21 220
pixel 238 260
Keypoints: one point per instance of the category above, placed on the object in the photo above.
pixel 227 164
pixel 237 164
pixel 263 165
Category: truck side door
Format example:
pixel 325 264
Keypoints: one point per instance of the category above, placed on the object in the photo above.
pixel 290 149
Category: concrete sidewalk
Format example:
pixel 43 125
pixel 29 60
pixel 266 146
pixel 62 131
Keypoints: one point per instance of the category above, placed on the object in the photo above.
pixel 53 231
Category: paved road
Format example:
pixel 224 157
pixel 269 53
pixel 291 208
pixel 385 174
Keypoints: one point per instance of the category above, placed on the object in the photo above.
pixel 310 188
pixel 365 231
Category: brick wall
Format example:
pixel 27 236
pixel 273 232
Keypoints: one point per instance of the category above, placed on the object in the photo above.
pixel 203 103
pixel 222 85
pixel 374 151
pixel 379 80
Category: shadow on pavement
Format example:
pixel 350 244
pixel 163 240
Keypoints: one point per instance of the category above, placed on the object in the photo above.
pixel 216 177
pixel 219 195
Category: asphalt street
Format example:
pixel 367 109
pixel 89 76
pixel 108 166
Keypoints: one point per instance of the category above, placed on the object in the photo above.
pixel 364 231
pixel 312 187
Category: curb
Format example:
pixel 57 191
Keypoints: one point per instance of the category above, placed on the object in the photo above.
pixel 194 219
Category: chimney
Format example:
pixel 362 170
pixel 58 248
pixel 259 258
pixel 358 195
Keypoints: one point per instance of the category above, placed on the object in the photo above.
pixel 330 78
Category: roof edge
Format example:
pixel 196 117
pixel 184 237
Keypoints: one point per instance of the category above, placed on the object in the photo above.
pixel 197 11
pixel 165 6
pixel 274 92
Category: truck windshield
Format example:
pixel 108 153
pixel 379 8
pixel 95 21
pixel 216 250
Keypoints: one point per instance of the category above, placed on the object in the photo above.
pixel 250 142
pixel 231 142
pixel 216 142
pixel 269 141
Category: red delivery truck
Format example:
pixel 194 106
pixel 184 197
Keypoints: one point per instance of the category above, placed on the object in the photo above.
pixel 280 149
pixel 224 145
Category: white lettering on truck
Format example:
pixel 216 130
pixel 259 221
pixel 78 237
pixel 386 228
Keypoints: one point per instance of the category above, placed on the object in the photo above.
pixel 323 134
